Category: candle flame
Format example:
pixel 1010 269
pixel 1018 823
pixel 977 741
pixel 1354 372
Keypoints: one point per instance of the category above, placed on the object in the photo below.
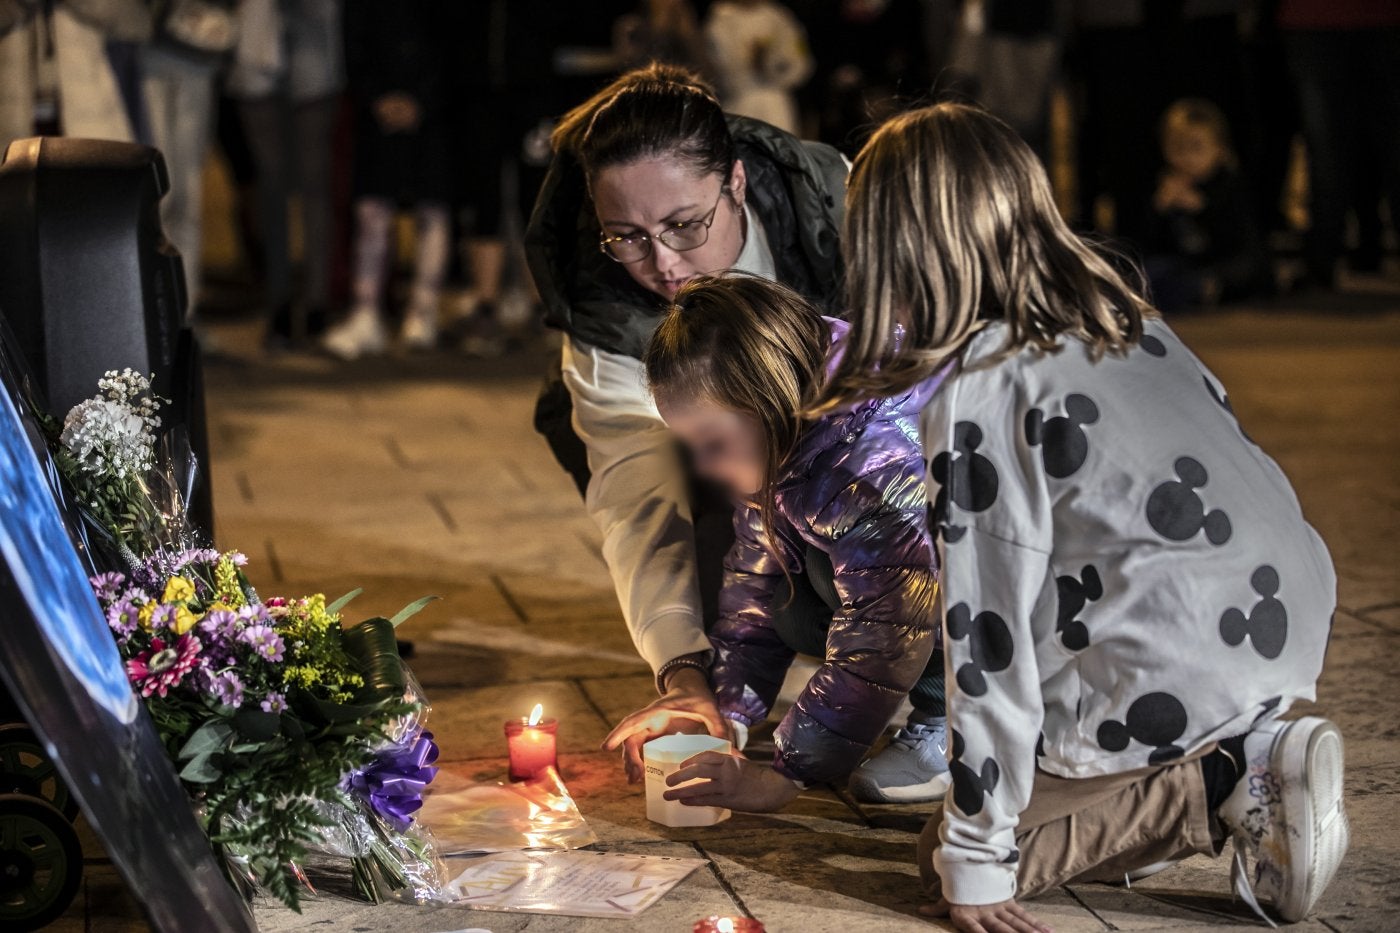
pixel 725 925
pixel 536 714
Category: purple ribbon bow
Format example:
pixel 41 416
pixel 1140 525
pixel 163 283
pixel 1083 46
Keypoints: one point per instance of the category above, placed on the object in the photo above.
pixel 393 783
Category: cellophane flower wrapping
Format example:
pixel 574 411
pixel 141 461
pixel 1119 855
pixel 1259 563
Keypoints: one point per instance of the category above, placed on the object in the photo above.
pixel 377 822
pixel 292 731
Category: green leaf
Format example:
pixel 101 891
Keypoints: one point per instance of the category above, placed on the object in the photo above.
pixel 207 739
pixel 411 610
pixel 256 725
pixel 375 649
pixel 344 601
pixel 201 770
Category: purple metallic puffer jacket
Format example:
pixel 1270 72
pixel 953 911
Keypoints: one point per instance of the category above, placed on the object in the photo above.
pixel 854 489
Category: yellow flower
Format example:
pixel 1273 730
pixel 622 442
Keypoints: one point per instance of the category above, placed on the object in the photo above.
pixel 184 620
pixel 178 590
pixel 144 616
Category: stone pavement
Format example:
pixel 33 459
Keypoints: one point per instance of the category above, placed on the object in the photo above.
pixel 423 476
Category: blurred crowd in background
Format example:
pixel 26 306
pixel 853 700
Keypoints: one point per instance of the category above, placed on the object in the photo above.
pixel 379 159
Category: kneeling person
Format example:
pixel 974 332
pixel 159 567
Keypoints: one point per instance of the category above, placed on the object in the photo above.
pixel 836 505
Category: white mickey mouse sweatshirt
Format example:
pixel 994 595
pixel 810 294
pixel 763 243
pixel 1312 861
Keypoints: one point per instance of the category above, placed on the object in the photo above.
pixel 1126 578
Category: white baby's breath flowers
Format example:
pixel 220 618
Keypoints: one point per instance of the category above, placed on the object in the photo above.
pixel 133 390
pixel 114 435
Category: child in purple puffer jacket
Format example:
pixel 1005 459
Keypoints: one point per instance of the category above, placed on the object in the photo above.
pixel 833 556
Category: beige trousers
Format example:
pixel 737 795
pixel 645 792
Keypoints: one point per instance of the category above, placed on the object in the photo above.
pixel 1100 828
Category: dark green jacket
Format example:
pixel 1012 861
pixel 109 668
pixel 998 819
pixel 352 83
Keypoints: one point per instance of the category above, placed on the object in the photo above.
pixel 797 189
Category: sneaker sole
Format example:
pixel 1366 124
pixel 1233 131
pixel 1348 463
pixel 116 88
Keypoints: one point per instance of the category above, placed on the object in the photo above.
pixel 934 789
pixel 1317 832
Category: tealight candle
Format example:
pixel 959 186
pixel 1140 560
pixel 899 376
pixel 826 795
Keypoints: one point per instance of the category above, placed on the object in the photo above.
pixel 728 925
pixel 531 745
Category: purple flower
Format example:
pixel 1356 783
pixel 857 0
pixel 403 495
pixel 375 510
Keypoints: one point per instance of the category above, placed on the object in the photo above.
pixel 264 641
pixel 108 585
pixel 194 556
pixel 123 617
pixel 228 689
pixel 219 625
pixel 164 616
pixel 274 703
pixel 255 614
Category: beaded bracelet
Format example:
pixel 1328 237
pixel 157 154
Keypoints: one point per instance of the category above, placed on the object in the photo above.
pixel 696 661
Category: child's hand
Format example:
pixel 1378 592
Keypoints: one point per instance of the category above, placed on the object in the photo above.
pixel 1006 917
pixel 687 706
pixel 731 781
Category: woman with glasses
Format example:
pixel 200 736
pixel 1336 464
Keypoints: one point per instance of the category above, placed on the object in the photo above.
pixel 652 185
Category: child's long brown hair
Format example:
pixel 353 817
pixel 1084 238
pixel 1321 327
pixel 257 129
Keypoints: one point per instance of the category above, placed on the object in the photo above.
pixel 950 224
pixel 748 345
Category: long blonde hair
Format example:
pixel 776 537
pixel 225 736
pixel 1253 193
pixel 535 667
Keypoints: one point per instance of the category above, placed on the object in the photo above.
pixel 749 345
pixel 951 224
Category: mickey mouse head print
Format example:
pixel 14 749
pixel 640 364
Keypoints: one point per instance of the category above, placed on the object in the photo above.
pixel 989 646
pixel 1155 719
pixel 964 477
pixel 970 787
pixel 1063 442
pixel 1266 625
pixel 1178 513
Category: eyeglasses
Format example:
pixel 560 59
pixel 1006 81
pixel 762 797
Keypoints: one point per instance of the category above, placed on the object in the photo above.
pixel 690 234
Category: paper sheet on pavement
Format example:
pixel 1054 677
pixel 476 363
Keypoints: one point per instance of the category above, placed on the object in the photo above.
pixel 571 883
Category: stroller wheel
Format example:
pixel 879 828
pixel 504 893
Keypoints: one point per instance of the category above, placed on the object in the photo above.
pixel 25 768
pixel 41 863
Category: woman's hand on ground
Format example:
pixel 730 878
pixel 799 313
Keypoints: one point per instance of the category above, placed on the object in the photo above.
pixel 687 706
pixel 1006 917
pixel 730 781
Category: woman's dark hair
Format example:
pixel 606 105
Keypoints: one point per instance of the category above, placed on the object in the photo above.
pixel 652 111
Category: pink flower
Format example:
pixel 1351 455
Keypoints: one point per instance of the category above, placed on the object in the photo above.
pixel 160 668
pixel 107 585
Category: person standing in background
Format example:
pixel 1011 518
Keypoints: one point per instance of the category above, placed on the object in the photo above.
pixel 178 70
pixel 1010 51
pixel 501 93
pixel 872 61
pixel 288 72
pixel 760 56
pixel 64 69
pixel 661 31
pixel 396 58
pixel 1345 59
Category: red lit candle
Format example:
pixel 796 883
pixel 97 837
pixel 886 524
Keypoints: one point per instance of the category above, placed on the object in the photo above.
pixel 728 925
pixel 531 744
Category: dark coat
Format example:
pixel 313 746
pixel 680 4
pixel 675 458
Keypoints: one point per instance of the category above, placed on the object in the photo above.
pixel 797 189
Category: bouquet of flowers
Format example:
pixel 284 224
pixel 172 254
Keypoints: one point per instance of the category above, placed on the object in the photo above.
pixel 292 731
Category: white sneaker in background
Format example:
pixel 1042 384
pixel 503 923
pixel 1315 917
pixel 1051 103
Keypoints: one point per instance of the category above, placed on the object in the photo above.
pixel 1287 815
pixel 361 334
pixel 420 328
pixel 516 312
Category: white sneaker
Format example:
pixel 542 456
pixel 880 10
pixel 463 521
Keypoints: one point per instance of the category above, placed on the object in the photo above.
pixel 361 334
pixel 1287 814
pixel 420 329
